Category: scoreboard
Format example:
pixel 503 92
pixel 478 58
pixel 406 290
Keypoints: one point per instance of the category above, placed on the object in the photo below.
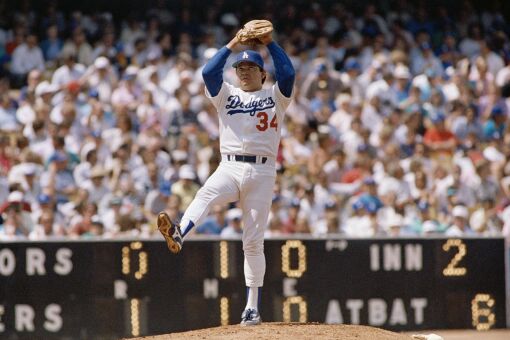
pixel 111 289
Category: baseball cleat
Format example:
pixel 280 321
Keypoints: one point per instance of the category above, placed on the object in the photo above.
pixel 250 317
pixel 171 232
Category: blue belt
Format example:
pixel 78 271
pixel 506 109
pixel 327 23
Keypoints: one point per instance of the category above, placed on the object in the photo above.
pixel 246 159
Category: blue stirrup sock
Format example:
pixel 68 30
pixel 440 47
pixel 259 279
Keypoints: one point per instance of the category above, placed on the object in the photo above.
pixel 188 228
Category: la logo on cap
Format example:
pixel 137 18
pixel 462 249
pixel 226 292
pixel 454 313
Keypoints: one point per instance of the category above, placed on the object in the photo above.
pixel 245 55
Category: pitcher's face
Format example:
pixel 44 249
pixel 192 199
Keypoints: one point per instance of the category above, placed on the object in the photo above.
pixel 250 76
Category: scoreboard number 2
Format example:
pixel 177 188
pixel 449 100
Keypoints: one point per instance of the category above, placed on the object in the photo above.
pixel 452 268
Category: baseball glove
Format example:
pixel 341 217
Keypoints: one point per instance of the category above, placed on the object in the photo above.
pixel 252 30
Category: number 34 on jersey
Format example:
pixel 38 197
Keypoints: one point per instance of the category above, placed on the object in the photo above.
pixel 264 123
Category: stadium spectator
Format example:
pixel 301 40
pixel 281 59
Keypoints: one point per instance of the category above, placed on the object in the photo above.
pixel 394 226
pixel 79 46
pixel 322 77
pixel 276 216
pixel 185 187
pixel 330 223
pixel 214 224
pixel 289 225
pixel 69 71
pixel 173 205
pixel 439 140
pixel 96 184
pixel 106 46
pixel 30 181
pixel 364 222
pixel 25 58
pixel 51 46
pixel 156 200
pixel 233 228
pixel 46 228
pixel 460 226
pixel 485 221
pixel 101 79
pixel 82 223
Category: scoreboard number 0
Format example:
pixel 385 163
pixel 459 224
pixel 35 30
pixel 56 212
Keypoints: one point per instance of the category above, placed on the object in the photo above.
pixel 301 252
pixel 294 273
pixel 143 260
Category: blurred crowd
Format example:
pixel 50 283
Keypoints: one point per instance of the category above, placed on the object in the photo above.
pixel 398 126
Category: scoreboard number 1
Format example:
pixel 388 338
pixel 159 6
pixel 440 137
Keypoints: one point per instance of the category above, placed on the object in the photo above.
pixel 143 268
pixel 224 274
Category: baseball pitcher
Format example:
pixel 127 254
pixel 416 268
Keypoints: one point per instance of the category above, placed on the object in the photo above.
pixel 250 119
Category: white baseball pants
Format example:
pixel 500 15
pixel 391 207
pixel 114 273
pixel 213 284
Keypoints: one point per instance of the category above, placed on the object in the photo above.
pixel 252 185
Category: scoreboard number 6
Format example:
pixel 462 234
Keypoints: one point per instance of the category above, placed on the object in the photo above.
pixel 452 268
pixel 482 312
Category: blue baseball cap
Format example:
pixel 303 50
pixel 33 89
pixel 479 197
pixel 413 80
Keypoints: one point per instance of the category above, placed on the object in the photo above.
pixel 437 118
pixel 295 203
pixel 362 147
pixel 430 72
pixel 425 46
pixel 371 207
pixel 58 156
pixel 451 191
pixel 322 68
pixel 423 205
pixel 369 181
pixel 93 93
pixel 165 188
pixel 497 111
pixel 330 204
pixel 357 205
pixel 249 56
pixel 352 64
pixel 44 199
pixel 95 133
pixel 115 200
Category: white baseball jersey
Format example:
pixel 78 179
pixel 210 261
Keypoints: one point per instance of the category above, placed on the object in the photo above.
pixel 250 122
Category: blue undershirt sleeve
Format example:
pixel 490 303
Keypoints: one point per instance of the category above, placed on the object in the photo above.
pixel 284 71
pixel 213 71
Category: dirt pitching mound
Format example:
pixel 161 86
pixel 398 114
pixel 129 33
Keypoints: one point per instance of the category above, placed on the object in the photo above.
pixel 294 331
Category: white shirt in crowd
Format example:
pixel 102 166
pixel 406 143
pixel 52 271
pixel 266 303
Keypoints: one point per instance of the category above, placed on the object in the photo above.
pixel 65 74
pixel 25 59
